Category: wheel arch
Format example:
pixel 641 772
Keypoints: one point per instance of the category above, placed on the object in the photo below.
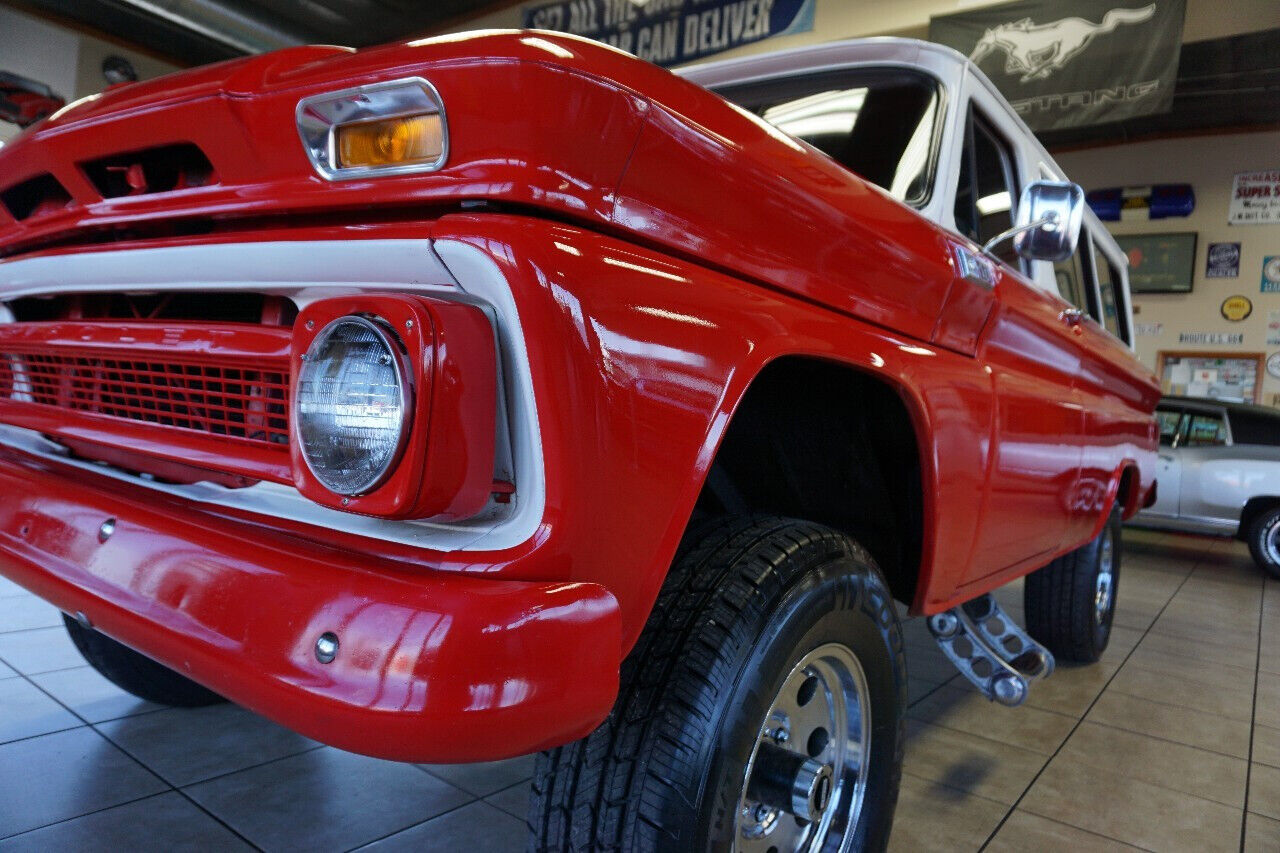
pixel 863 423
pixel 1253 508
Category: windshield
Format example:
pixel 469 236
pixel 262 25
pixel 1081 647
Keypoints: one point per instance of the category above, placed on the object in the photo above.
pixel 881 123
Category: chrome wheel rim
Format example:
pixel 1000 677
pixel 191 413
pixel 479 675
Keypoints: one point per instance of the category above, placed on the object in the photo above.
pixel 1104 592
pixel 1271 543
pixel 822 717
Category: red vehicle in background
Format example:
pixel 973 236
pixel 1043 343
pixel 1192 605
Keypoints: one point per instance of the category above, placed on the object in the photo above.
pixel 488 394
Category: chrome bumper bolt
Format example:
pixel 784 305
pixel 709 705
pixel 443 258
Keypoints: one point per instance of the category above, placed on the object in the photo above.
pixel 106 529
pixel 327 647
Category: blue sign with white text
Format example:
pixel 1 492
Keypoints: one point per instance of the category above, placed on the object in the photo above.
pixel 671 32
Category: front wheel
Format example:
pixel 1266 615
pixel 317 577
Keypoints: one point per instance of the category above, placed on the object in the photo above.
pixel 761 708
pixel 1263 537
pixel 136 673
pixel 1070 602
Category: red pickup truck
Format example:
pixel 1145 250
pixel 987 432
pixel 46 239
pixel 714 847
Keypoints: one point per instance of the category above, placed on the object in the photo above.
pixel 496 393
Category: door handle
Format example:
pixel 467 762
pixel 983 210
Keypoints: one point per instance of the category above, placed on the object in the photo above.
pixel 1164 458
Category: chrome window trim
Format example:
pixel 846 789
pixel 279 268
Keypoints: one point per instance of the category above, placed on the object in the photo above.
pixel 318 116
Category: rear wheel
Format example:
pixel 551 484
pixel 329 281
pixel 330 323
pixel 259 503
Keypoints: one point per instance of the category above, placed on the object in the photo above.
pixel 1263 537
pixel 761 709
pixel 1071 602
pixel 136 673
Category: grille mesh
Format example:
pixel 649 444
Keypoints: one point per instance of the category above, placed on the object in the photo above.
pixel 236 402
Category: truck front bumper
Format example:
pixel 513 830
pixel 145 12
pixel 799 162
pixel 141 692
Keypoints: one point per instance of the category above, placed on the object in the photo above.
pixel 432 665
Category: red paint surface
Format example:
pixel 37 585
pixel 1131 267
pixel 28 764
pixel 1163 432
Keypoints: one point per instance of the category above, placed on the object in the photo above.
pixel 668 248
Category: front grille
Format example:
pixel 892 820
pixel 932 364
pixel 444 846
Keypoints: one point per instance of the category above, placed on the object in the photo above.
pixel 205 396
pixel 251 405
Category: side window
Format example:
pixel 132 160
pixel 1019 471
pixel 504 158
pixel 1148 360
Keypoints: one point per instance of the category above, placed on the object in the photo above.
pixel 1108 279
pixel 1169 422
pixel 988 188
pixel 1069 275
pixel 1206 430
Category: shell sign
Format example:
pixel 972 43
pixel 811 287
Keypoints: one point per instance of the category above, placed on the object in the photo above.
pixel 1236 308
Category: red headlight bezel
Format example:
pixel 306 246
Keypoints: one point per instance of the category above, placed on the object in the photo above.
pixel 445 469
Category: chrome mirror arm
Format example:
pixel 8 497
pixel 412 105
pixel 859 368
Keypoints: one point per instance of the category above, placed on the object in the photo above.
pixel 1050 218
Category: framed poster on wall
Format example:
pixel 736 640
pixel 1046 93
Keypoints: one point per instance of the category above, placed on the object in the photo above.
pixel 1160 263
pixel 1231 377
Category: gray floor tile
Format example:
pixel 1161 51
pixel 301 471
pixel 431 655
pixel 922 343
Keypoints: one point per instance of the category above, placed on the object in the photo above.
pixel 1267 707
pixel 9 589
pixel 7 671
pixel 64 775
pixel 1261 834
pixel 1264 790
pixel 514 800
pixel 167 821
pixel 25 711
pixel 186 745
pixel 42 650
pixel 22 613
pixel 1266 745
pixel 484 778
pixel 91 695
pixel 478 826
pixel 325 799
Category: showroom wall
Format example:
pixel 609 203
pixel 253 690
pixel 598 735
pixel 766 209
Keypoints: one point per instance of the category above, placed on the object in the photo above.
pixel 837 19
pixel 68 61
pixel 1208 163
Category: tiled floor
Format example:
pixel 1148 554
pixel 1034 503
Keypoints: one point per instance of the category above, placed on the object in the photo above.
pixel 1171 743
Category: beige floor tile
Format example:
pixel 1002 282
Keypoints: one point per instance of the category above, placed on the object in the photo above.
pixel 933 817
pixel 1123 640
pixel 918 688
pixel 1024 832
pixel 1235 703
pixel 1245 641
pixel 1071 689
pixel 1205 672
pixel 1266 745
pixel 1185 647
pixel 975 765
pixel 1171 722
pixel 1131 811
pixel 1268 701
pixel 1264 790
pixel 964 709
pixel 1261 834
pixel 1192 771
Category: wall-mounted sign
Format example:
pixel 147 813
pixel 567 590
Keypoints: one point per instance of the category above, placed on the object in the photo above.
pixel 1273 364
pixel 1236 308
pixel 1255 199
pixel 1210 337
pixel 1271 274
pixel 674 31
pixel 1160 263
pixel 1222 261
pixel 1273 327
pixel 1148 330
pixel 1073 64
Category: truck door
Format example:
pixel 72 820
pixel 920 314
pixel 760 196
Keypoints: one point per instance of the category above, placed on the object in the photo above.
pixel 1032 352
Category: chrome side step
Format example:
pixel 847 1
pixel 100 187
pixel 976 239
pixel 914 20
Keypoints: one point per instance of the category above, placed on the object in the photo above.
pixel 991 650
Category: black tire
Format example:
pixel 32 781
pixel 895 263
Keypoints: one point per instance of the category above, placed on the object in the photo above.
pixel 741 607
pixel 1263 537
pixel 1062 599
pixel 136 673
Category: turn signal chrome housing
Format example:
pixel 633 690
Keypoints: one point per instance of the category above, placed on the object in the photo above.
pixel 394 406
pixel 392 128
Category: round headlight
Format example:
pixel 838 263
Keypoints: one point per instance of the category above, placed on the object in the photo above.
pixel 351 405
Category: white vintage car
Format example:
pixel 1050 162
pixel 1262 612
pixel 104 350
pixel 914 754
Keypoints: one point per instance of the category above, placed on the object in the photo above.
pixel 1219 473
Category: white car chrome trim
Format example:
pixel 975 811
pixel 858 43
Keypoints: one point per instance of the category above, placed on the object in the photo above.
pixel 304 271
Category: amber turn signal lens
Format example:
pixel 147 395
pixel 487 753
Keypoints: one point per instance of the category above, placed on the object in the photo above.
pixel 391 142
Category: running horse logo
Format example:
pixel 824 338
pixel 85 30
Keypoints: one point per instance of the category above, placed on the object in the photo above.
pixel 1035 52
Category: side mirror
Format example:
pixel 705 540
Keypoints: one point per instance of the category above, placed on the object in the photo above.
pixel 1048 221
pixel 24 102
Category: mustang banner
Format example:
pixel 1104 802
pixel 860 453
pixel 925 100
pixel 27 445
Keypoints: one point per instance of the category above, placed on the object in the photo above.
pixel 1104 60
pixel 669 32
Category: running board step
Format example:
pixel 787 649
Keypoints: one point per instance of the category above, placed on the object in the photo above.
pixel 991 650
